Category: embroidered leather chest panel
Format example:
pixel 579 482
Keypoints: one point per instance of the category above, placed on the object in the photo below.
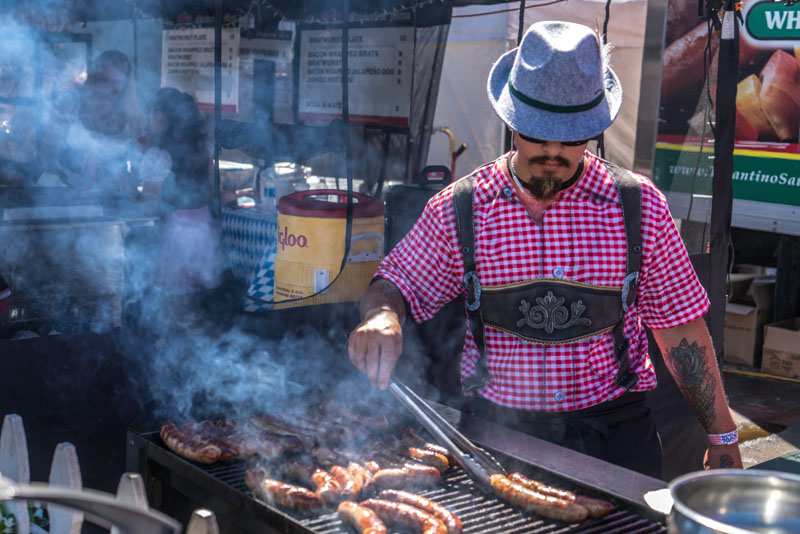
pixel 551 311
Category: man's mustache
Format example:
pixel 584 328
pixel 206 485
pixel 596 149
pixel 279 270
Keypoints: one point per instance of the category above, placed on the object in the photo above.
pixel 545 159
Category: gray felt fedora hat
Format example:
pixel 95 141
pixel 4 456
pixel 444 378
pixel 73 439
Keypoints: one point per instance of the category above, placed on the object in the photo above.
pixel 554 85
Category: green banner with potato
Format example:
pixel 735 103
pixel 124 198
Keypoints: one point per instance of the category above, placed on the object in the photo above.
pixel 767 155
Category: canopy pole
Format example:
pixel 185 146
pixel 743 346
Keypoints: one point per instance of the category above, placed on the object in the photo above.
pixel 722 201
pixel 218 16
pixel 348 165
pixel 520 33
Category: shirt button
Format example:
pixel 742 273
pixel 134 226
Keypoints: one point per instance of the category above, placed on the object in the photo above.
pixel 508 192
pixel 558 272
pixel 559 396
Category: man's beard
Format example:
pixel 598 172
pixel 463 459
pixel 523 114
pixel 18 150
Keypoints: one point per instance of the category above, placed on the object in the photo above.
pixel 548 186
pixel 543 187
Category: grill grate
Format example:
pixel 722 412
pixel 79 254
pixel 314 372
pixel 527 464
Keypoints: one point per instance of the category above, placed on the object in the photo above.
pixel 480 513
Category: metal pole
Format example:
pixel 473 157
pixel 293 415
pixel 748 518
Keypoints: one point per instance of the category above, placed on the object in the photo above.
pixel 217 101
pixel 722 201
pixel 520 33
pixel 348 231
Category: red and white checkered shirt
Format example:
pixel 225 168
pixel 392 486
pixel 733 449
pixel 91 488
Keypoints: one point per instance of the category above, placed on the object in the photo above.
pixel 582 239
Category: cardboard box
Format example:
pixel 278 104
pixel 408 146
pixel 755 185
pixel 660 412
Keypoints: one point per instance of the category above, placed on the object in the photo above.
pixel 739 285
pixel 782 348
pixel 744 327
pixel 762 292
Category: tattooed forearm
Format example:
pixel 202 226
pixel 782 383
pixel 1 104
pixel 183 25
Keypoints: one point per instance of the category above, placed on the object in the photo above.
pixel 695 379
pixel 383 295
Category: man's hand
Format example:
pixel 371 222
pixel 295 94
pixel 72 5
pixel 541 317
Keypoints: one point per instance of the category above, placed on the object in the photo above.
pixel 722 457
pixel 375 346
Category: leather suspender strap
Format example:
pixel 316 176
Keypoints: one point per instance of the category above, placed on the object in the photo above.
pixel 462 202
pixel 631 197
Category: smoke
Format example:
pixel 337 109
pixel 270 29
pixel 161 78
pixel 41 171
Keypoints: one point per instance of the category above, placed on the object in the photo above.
pixel 89 252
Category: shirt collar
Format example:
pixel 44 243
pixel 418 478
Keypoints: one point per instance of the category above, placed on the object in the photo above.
pixel 595 182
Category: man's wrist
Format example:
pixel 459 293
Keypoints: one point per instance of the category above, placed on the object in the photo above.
pixel 725 438
pixel 378 310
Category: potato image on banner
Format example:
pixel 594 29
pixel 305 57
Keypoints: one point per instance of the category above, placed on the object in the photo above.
pixel 780 94
pixel 751 121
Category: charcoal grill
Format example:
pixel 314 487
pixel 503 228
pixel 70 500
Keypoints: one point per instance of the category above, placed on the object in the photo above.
pixel 176 486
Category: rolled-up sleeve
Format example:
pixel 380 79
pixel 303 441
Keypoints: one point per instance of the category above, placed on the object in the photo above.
pixel 670 294
pixel 426 265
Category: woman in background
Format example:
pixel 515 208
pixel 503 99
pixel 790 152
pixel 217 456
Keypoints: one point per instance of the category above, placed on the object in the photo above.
pixel 177 163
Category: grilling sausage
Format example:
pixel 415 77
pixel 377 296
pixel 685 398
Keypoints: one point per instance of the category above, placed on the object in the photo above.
pixel 450 520
pixel 406 516
pixel 441 450
pixel 345 481
pixel 361 477
pixel 408 476
pixel 280 493
pixel 430 457
pixel 328 490
pixel 220 433
pixel 372 467
pixel 597 507
pixel 538 503
pixel 362 518
pixel 190 446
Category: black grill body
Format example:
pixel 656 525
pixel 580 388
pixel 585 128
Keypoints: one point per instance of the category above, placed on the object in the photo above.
pixel 177 486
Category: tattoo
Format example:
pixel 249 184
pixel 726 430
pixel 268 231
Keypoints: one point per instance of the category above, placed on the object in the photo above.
pixel 725 461
pixel 383 293
pixel 695 379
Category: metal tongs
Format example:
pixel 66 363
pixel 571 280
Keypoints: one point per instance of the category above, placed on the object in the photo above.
pixel 478 464
pixel 128 518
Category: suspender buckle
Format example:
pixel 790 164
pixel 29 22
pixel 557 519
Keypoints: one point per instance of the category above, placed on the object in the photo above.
pixel 628 380
pixel 473 287
pixel 629 291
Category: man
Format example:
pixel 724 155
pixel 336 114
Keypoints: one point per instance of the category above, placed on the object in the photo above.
pixel 564 260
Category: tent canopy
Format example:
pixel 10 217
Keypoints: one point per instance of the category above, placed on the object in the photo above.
pixel 292 9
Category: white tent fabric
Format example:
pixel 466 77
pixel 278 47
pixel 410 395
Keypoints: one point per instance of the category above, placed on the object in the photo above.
pixel 474 43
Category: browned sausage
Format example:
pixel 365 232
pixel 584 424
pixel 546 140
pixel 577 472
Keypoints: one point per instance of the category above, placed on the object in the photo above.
pixel 538 503
pixel 596 507
pixel 361 477
pixel 429 457
pixel 221 434
pixel 406 516
pixel 424 474
pixel 279 493
pixel 450 520
pixel 408 476
pixel 189 446
pixel 535 485
pixel 362 518
pixel 328 490
pixel 681 17
pixel 441 450
pixel 345 481
pixel 682 76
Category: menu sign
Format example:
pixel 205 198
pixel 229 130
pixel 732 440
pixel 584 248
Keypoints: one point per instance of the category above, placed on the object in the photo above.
pixel 280 53
pixel 767 149
pixel 187 63
pixel 380 68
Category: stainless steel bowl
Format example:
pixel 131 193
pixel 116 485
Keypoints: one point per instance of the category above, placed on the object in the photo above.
pixel 733 501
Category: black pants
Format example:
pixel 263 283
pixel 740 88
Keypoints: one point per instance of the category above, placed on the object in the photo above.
pixel 620 432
